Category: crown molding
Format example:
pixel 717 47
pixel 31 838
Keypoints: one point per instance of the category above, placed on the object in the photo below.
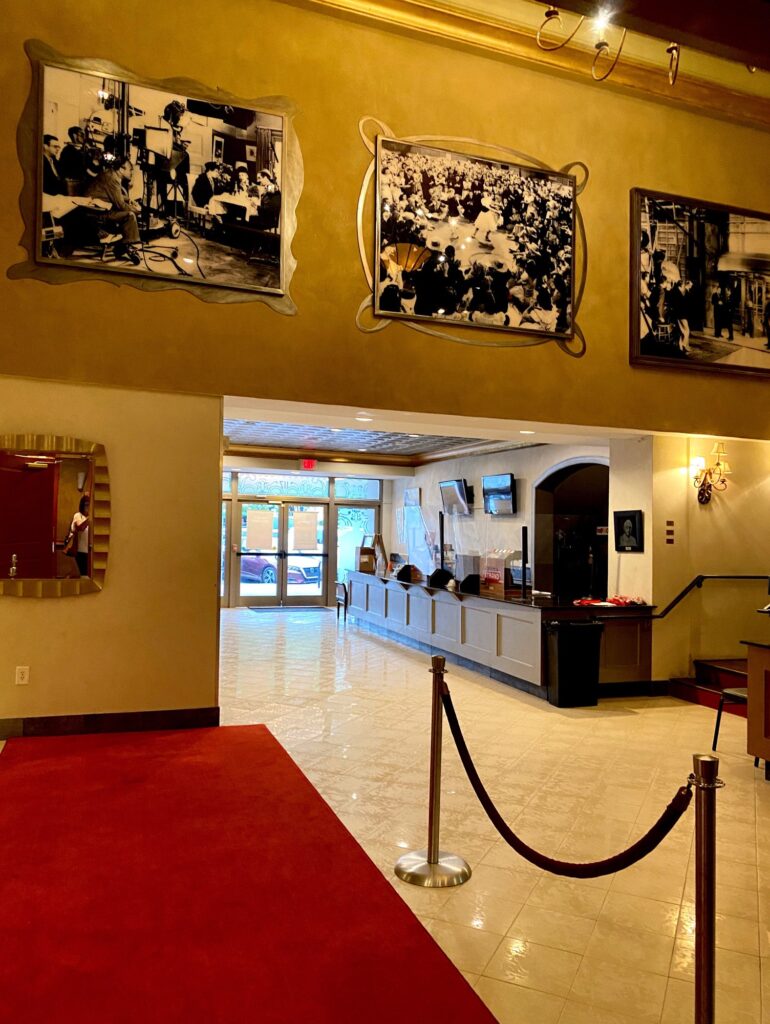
pixel 501 40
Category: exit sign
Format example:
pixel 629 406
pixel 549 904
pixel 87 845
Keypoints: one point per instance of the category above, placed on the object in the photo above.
pixel 308 463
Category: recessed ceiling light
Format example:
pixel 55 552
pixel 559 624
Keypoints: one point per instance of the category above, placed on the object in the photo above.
pixel 364 417
pixel 336 430
pixel 362 449
pixel 412 435
pixel 526 431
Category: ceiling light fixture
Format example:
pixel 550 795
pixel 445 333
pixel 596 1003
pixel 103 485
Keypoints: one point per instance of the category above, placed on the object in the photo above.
pixel 674 51
pixel 364 417
pixel 526 431
pixel 600 25
pixel 602 47
pixel 553 15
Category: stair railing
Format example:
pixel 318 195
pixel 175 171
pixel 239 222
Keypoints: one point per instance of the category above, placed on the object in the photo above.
pixel 698 582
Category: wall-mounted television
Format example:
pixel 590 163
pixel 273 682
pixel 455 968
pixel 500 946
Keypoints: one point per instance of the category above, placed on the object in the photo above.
pixel 499 494
pixel 456 497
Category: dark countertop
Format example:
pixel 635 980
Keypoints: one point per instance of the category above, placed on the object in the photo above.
pixel 539 601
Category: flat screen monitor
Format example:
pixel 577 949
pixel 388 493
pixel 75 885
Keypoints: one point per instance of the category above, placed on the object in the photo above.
pixel 456 497
pixel 499 494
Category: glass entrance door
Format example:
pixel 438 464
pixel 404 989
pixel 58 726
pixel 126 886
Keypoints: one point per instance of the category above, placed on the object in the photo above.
pixel 305 554
pixel 281 554
pixel 354 522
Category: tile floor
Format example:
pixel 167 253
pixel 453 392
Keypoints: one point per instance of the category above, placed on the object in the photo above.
pixel 353 709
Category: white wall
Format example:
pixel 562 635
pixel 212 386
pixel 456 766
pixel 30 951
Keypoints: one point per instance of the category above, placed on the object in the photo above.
pixel 630 572
pixel 148 641
pixel 480 533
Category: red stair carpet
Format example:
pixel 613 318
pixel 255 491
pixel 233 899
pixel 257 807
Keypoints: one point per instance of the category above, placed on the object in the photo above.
pixel 197 876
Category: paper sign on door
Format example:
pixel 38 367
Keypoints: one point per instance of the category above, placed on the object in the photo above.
pixel 305 531
pixel 259 529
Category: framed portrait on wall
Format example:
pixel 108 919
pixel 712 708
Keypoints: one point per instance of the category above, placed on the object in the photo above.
pixel 700 285
pixel 463 239
pixel 629 530
pixel 139 179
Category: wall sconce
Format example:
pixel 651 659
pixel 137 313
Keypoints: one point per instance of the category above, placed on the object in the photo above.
pixel 710 478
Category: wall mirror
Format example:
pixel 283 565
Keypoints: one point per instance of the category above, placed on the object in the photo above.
pixel 47 484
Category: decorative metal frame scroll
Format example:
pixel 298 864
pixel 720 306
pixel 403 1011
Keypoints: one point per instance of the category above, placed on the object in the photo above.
pixel 28 135
pixel 575 346
pixel 100 516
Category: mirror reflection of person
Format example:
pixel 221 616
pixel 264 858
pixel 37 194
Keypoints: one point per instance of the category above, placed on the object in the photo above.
pixel 627 539
pixel 80 526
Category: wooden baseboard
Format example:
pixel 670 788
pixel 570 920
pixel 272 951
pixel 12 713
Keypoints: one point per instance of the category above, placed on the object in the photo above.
pixel 117 721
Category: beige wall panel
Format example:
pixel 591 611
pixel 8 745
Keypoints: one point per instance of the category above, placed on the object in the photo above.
pixel 518 645
pixel 377 599
pixel 420 612
pixel 338 71
pixel 148 641
pixel 479 631
pixel 446 619
pixel 358 592
pixel 396 606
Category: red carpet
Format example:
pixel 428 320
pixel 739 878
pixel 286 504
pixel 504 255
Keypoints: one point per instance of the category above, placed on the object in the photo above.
pixel 197 876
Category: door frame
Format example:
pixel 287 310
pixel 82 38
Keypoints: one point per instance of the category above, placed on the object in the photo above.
pixel 282 597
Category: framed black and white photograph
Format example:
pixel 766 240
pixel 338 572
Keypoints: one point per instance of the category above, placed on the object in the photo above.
pixel 700 285
pixel 140 180
pixel 463 239
pixel 629 530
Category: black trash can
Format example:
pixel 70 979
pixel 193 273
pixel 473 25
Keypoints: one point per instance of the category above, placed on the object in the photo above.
pixel 574 646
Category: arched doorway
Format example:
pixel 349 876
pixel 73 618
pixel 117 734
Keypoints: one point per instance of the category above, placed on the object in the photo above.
pixel 571 519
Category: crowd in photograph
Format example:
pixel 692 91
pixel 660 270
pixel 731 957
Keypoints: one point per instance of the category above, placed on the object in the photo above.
pixel 673 307
pixel 474 241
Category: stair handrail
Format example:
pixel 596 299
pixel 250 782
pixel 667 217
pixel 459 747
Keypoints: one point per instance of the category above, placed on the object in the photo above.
pixel 698 582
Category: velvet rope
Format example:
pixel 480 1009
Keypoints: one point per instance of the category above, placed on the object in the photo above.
pixel 621 860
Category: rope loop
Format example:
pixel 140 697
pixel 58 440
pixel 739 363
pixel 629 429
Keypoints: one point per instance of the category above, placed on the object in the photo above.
pixel 641 848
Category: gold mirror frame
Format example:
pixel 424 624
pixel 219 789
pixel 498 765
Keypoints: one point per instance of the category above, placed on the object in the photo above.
pixel 50 444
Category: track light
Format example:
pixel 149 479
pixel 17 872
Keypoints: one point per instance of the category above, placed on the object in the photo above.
pixel 553 15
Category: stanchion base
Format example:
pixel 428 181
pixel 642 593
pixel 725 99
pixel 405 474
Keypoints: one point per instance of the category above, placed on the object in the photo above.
pixel 450 870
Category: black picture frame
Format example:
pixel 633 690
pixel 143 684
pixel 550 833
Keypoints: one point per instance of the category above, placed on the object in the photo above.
pixel 699 270
pixel 457 234
pixel 629 531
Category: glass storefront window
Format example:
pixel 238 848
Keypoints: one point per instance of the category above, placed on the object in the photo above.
pixel 226 477
pixel 352 489
pixel 283 486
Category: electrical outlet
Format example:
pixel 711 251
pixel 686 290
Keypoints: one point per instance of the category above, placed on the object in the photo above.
pixel 22 675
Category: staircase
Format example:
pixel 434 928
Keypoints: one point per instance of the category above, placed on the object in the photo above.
pixel 712 675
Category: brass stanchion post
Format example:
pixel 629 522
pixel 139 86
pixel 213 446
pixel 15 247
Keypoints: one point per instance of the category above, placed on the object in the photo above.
pixel 433 868
pixel 706 782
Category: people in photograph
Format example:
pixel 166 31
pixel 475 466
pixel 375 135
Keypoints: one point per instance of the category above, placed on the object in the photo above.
pixel 72 162
pixel 721 300
pixel 510 233
pixel 53 182
pixel 627 539
pixel 205 185
pixel 80 527
pixel 242 183
pixel 172 173
pixel 113 186
pixel 268 214
pixel 766 322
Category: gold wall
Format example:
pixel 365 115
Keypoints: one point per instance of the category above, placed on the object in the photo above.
pixel 338 71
